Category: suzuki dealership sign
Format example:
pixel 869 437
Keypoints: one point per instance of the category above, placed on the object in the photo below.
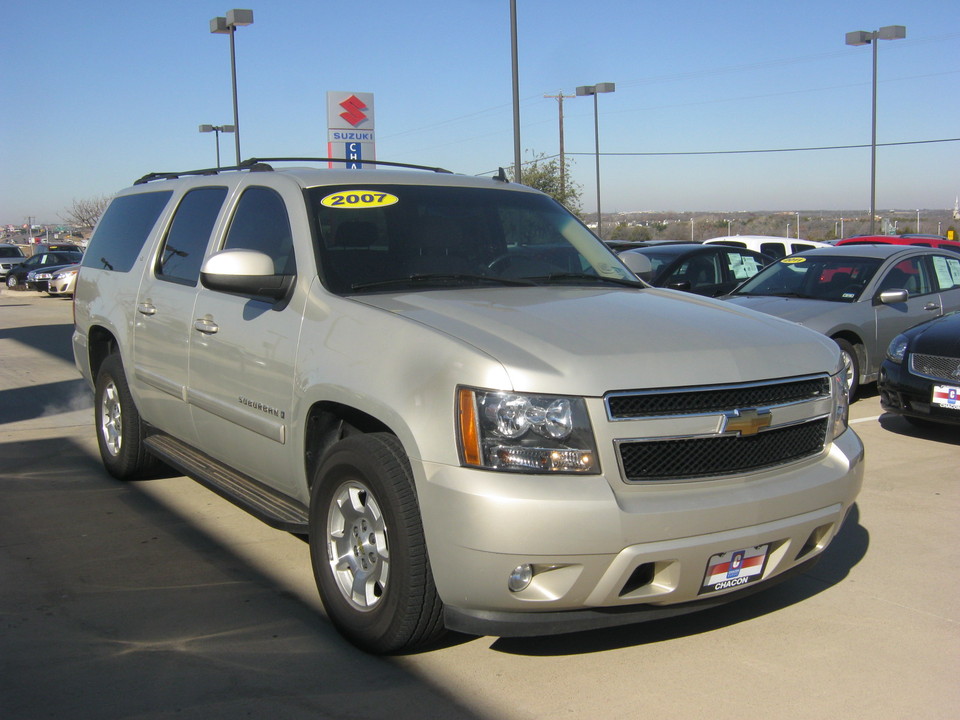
pixel 350 127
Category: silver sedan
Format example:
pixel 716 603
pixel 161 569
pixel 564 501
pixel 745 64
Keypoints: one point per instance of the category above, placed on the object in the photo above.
pixel 860 296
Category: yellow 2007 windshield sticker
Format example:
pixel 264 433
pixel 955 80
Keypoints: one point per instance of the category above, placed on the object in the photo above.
pixel 359 199
pixel 793 260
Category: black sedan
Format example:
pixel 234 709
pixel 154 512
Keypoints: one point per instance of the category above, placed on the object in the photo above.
pixel 711 270
pixel 920 378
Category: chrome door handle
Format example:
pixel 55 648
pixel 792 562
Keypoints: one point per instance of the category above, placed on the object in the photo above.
pixel 146 308
pixel 207 327
pixel 931 306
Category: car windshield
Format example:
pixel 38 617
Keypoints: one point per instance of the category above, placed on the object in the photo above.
pixel 833 278
pixel 376 238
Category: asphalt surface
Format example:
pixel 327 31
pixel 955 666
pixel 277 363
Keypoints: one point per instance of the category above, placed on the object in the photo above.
pixel 157 599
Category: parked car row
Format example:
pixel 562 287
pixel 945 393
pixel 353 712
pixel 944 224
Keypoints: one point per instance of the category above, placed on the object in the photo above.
pixel 53 272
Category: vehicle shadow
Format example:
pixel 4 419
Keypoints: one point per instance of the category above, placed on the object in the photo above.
pixel 845 552
pixel 114 604
pixel 935 432
pixel 55 340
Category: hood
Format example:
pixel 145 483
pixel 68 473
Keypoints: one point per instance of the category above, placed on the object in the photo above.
pixel 795 310
pixel 587 341
pixel 938 337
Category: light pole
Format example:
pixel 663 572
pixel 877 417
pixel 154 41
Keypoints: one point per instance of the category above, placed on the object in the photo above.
pixel 217 129
pixel 862 37
pixel 596 90
pixel 228 26
pixel 517 173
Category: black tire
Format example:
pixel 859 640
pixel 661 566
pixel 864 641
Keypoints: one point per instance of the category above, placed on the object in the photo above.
pixel 852 361
pixel 12 281
pixel 367 547
pixel 120 431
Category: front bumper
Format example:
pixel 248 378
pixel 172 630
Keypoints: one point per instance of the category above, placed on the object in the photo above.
pixel 604 554
pixel 903 393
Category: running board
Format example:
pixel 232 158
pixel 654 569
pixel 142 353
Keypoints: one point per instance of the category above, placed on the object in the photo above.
pixel 264 503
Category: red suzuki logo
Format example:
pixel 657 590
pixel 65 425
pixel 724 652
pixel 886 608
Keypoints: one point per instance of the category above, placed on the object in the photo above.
pixel 354 110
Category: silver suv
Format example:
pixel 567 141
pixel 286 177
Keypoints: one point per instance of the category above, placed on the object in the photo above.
pixel 479 416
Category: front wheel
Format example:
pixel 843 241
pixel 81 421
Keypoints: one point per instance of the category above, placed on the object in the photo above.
pixel 12 281
pixel 120 431
pixel 368 550
pixel 851 364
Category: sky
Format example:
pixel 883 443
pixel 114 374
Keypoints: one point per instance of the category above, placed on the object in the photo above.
pixel 95 95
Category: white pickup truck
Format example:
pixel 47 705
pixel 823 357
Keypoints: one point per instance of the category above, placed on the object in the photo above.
pixel 481 418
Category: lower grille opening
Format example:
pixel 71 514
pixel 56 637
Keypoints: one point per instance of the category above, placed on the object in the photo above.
pixel 643 575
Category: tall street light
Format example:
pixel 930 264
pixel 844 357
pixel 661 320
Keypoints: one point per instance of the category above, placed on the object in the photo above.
pixel 228 26
pixel 517 173
pixel 218 129
pixel 596 90
pixel 861 37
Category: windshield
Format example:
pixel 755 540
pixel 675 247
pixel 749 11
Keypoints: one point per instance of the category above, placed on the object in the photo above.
pixel 375 238
pixel 837 279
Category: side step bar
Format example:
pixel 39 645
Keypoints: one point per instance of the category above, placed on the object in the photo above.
pixel 266 504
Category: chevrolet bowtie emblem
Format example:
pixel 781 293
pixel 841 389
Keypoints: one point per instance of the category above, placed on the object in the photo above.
pixel 747 422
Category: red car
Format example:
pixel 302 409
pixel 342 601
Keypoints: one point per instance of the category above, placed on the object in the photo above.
pixel 935 241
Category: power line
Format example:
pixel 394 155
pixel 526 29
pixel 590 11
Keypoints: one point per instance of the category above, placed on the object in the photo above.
pixel 771 150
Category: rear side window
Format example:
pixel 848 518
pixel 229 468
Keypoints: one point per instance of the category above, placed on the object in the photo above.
pixel 123 230
pixel 186 241
pixel 774 250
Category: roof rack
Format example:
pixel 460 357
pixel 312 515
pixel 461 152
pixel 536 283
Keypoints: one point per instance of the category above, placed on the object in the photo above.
pixel 261 165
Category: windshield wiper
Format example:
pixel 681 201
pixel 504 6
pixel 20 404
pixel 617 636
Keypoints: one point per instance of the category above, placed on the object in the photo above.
pixel 442 279
pixel 567 277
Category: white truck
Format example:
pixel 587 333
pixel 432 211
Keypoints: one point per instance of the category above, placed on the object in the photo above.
pixel 481 418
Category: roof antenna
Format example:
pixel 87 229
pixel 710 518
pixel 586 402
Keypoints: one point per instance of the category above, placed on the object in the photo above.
pixel 501 175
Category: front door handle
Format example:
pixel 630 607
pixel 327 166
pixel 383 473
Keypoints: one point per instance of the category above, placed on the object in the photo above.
pixel 206 326
pixel 931 306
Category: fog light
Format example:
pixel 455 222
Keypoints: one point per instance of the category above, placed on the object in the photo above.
pixel 520 578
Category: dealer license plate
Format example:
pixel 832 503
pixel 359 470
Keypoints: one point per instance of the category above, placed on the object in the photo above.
pixel 734 569
pixel 946 396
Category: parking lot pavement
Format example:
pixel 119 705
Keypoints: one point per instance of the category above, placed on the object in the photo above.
pixel 157 599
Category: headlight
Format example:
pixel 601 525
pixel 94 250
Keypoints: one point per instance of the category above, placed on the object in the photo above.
pixel 65 274
pixel 897 349
pixel 841 407
pixel 520 432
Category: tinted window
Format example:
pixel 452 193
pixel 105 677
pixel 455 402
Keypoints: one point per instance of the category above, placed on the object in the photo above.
pixel 184 246
pixel 261 223
pixel 772 249
pixel 10 252
pixel 123 230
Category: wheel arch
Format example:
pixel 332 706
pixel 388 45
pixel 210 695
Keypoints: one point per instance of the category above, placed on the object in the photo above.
pixel 326 423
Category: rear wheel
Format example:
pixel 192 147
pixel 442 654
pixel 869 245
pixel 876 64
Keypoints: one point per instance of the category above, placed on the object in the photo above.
pixel 368 550
pixel 120 431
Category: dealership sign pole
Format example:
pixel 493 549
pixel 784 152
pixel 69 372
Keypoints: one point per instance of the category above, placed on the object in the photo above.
pixel 350 127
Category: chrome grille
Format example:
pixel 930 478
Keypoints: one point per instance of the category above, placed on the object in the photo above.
pixel 800 431
pixel 936 367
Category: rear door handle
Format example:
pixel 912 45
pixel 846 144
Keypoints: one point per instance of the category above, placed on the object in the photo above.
pixel 207 327
pixel 146 308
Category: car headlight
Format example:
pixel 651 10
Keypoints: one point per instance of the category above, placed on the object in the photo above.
pixel 897 349
pixel 65 274
pixel 521 432
pixel 841 408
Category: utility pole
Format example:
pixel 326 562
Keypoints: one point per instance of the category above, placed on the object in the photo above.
pixel 563 164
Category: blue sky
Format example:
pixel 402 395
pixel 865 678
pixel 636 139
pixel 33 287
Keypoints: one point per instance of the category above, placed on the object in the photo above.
pixel 97 94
